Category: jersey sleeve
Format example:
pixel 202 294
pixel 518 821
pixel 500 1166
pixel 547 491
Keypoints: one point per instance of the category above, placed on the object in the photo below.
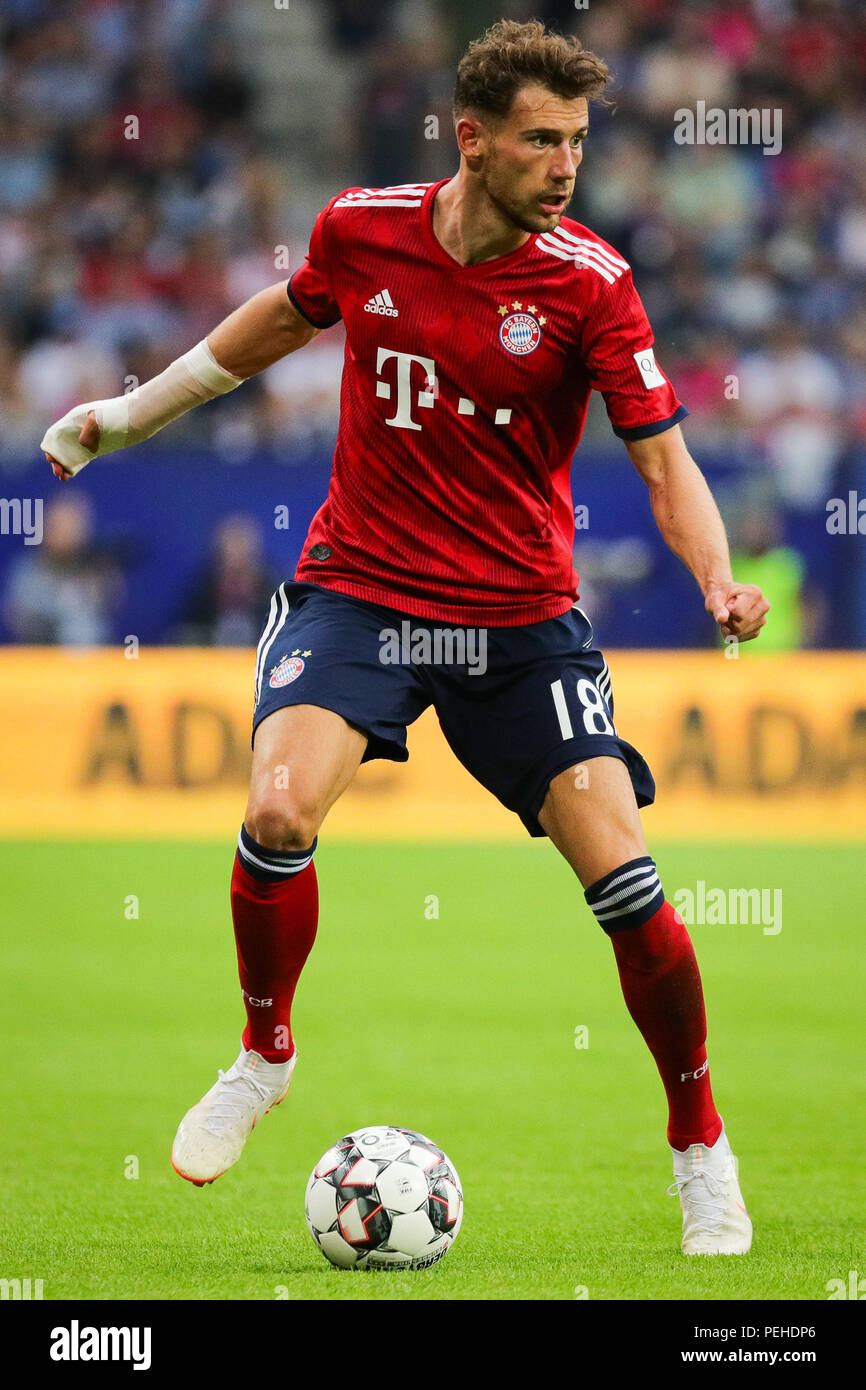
pixel 311 288
pixel 617 344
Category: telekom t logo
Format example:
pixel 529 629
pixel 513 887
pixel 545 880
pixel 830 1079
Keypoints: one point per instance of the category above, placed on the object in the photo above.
pixel 402 418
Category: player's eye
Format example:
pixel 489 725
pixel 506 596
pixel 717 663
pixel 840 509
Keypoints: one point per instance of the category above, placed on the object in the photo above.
pixel 542 140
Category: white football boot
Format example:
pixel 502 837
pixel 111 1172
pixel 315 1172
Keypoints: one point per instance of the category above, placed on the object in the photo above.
pixel 715 1220
pixel 211 1135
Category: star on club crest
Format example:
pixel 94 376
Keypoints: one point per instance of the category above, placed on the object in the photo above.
pixel 517 306
pixel 284 657
pixel 288 669
pixel 520 331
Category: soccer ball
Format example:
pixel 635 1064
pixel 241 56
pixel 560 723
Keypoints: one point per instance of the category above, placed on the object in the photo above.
pixel 384 1198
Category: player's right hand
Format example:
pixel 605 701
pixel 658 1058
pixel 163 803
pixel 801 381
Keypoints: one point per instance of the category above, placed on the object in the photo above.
pixel 88 438
pixel 85 432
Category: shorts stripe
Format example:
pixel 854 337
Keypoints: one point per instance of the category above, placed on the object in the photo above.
pixel 284 612
pixel 263 639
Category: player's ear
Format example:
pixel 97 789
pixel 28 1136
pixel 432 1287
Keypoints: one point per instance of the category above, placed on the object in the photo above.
pixel 470 136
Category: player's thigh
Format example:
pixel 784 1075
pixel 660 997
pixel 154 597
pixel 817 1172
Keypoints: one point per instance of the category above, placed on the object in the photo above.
pixel 591 815
pixel 304 757
pixel 536 728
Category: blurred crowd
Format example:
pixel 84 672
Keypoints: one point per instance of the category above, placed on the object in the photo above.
pixel 752 265
pixel 140 201
pixel 137 208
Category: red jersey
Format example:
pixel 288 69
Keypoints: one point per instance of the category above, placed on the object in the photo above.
pixel 464 395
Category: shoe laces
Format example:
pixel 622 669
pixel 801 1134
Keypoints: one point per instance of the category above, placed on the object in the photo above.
pixel 705 1193
pixel 233 1102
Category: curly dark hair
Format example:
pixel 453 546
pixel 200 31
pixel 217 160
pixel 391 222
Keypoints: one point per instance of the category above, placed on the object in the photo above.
pixel 510 55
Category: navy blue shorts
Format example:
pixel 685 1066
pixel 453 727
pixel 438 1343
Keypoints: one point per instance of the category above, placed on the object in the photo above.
pixel 516 704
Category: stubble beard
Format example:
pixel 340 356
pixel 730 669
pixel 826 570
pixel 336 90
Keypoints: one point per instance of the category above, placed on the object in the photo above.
pixel 522 217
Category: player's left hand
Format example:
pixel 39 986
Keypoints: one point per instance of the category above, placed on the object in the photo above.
pixel 739 609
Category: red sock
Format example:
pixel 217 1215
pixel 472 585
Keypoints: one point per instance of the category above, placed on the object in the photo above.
pixel 275 927
pixel 662 988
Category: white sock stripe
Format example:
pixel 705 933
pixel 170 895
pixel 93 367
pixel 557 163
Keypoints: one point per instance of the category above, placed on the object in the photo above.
pixel 632 907
pixel 284 610
pixel 287 871
pixel 263 639
pixel 628 873
pixel 616 893
pixel 627 891
pixel 610 899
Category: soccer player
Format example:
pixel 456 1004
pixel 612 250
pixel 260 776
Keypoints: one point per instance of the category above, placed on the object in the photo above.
pixel 478 320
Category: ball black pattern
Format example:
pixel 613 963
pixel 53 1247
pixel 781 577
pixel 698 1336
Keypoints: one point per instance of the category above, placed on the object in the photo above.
pixel 384 1197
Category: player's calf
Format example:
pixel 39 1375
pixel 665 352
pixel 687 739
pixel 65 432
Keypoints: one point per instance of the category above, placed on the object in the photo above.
pixel 661 984
pixel 302 759
pixel 275 912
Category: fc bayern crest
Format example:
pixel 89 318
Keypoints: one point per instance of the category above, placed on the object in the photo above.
pixel 520 334
pixel 288 670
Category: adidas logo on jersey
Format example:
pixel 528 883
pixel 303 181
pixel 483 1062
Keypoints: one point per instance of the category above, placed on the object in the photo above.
pixel 381 304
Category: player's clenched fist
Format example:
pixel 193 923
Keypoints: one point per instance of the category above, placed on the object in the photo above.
pixel 101 427
pixel 67 447
pixel 739 609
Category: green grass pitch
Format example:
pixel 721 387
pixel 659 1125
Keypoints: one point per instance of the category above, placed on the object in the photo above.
pixel 462 1027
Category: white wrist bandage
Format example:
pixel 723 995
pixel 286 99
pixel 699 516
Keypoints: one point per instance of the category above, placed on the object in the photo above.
pixel 188 381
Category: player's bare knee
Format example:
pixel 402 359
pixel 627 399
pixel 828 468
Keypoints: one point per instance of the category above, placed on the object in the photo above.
pixel 282 824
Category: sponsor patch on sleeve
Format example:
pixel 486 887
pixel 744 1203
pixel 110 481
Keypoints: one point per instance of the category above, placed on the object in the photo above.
pixel 646 363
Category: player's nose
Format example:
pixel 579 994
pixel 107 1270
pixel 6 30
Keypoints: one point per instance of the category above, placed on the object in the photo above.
pixel 563 165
